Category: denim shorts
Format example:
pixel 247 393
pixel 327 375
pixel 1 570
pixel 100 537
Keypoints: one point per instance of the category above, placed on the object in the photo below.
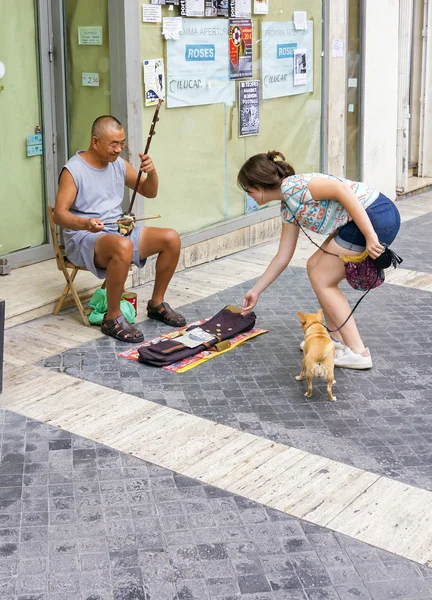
pixel 385 219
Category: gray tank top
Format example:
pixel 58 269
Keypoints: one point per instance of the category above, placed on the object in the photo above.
pixel 99 191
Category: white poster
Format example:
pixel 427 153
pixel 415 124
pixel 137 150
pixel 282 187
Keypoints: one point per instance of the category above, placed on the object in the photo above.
pixel 280 41
pixel 192 8
pixel 240 8
pixel 261 7
pixel 198 65
pixel 154 80
pixel 337 48
pixel 152 14
pixel 300 19
pixel 172 27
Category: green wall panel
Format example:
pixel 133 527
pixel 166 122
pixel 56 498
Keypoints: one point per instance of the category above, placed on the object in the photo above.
pixel 197 150
pixel 21 182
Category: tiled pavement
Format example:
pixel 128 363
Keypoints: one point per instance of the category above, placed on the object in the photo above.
pixel 80 521
pixel 413 244
pixel 381 421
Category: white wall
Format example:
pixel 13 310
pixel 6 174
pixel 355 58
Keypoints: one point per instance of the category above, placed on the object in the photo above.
pixel 337 73
pixel 381 94
pixel 426 158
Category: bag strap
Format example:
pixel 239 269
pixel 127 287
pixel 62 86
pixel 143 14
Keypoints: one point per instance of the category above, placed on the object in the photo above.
pixel 307 235
pixel 333 254
pixel 355 306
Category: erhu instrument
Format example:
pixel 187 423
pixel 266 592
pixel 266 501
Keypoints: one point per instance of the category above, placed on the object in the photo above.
pixel 127 221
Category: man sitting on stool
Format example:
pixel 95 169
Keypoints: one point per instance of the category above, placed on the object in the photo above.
pixel 90 192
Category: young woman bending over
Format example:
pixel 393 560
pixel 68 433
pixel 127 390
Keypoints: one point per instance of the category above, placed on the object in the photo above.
pixel 354 218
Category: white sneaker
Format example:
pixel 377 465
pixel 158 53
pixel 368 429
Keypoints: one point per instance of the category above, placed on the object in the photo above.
pixel 338 345
pixel 347 359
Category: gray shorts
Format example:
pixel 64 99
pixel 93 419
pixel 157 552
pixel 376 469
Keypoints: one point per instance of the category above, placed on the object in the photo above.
pixel 79 247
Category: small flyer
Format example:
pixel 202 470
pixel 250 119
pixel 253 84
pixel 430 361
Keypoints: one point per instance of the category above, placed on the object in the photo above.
pixel 249 108
pixel 195 337
pixel 240 8
pixel 151 13
pixel 300 70
pixel 300 19
pixel 261 7
pixel 240 48
pixel 192 8
pixel 154 80
pixel 216 8
pixel 171 28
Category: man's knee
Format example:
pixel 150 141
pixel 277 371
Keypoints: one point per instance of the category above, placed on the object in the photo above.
pixel 171 239
pixel 123 249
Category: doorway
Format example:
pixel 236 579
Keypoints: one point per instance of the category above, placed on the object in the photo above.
pixel 413 173
pixel 26 141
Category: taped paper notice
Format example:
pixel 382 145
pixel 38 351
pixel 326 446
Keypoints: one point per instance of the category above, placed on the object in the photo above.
pixel 337 48
pixel 261 7
pixel 240 8
pixel 300 19
pixel 300 67
pixel 192 8
pixel 154 80
pixel 152 14
pixel 172 27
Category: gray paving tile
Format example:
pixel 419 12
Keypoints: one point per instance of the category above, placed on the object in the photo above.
pixel 383 417
pixel 205 545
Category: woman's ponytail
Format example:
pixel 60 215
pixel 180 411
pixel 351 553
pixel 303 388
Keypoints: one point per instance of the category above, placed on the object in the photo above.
pixel 264 171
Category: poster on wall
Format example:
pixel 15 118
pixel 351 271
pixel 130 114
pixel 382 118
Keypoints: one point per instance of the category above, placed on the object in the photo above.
pixel 240 8
pixel 240 48
pixel 90 35
pixel 154 80
pixel 261 7
pixel 300 69
pixel 216 8
pixel 151 14
pixel 249 114
pixel 192 8
pixel 281 41
pixel 197 65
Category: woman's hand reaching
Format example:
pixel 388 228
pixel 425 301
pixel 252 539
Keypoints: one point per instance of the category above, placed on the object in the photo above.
pixel 249 301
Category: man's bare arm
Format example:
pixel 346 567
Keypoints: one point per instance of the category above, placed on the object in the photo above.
pixel 148 186
pixel 66 195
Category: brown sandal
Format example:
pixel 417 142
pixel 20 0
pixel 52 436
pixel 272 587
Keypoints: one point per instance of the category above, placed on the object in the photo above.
pixel 163 312
pixel 120 329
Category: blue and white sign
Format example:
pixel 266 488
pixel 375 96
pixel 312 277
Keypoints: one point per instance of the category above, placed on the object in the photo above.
pixel 280 42
pixel 34 145
pixel 198 65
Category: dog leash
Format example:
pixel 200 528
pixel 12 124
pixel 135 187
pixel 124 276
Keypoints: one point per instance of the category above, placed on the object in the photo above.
pixel 338 256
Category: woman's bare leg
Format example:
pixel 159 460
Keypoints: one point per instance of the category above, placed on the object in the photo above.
pixel 325 274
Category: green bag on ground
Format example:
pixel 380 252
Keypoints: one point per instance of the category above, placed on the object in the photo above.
pixel 99 305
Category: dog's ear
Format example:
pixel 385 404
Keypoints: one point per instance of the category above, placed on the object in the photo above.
pixel 320 314
pixel 302 317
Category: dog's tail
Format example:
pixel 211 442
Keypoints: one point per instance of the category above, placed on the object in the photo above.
pixel 327 351
pixel 319 369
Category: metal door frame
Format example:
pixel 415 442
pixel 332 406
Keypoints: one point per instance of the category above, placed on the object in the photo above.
pixel 44 37
pixel 425 144
pixel 406 15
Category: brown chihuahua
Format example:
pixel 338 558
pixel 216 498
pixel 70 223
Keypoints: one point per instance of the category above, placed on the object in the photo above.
pixel 318 352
